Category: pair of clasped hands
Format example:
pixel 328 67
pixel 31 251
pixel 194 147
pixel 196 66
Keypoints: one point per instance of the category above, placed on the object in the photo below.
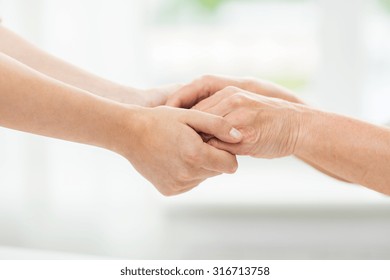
pixel 199 131
pixel 209 121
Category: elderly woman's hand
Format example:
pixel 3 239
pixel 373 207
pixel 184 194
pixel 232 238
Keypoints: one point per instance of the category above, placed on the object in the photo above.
pixel 206 86
pixel 271 127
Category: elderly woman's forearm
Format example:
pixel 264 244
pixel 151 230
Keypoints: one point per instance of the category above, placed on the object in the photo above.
pixel 354 150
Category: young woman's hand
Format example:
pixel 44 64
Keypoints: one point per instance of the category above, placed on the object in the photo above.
pixel 162 143
pixel 158 96
pixel 164 146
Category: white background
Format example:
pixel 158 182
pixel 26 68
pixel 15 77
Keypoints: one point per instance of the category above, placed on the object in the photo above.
pixel 66 197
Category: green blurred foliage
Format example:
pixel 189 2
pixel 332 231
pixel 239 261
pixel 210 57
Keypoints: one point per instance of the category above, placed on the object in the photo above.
pixel 200 9
pixel 212 5
pixel 204 9
pixel 291 82
pixel 385 4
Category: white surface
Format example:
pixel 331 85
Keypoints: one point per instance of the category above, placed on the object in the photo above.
pixel 269 209
pixel 280 181
pixel 13 253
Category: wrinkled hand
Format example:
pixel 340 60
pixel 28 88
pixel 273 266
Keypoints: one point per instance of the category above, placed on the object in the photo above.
pixel 201 88
pixel 270 127
pixel 168 151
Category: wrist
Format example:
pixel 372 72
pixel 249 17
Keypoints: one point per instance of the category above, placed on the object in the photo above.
pixel 309 121
pixel 124 124
pixel 158 96
pixel 128 95
pixel 147 97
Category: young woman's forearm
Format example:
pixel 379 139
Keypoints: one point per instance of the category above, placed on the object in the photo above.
pixel 162 143
pixel 351 149
pixel 14 46
pixel 35 103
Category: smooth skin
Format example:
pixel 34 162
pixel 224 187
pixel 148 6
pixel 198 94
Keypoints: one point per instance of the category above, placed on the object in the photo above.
pixel 275 124
pixel 162 143
pixel 27 53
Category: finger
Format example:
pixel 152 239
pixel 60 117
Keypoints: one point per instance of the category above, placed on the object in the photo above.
pixel 184 190
pixel 206 173
pixel 221 109
pixel 191 185
pixel 202 175
pixel 228 147
pixel 199 89
pixel 213 125
pixel 218 160
pixel 189 95
pixel 214 99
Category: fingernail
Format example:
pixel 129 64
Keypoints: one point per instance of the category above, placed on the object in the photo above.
pixel 235 133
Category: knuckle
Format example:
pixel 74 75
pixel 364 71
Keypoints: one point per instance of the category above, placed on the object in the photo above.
pixel 173 189
pixel 212 142
pixel 175 186
pixel 248 150
pixel 233 167
pixel 193 185
pixel 183 185
pixel 166 191
pixel 250 83
pixel 231 89
pixel 182 177
pixel 206 78
pixel 219 122
pixel 191 155
pixel 251 135
pixel 237 100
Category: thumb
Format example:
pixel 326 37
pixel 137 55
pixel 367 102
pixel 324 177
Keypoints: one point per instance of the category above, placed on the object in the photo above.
pixel 213 125
pixel 174 101
pixel 233 148
pixel 187 96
